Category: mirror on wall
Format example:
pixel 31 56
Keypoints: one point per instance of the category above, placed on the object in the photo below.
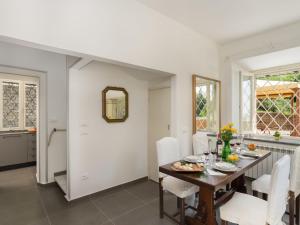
pixel 114 104
pixel 206 104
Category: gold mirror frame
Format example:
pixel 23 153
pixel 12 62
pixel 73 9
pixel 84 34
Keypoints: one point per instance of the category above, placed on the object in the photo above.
pixel 194 83
pixel 104 115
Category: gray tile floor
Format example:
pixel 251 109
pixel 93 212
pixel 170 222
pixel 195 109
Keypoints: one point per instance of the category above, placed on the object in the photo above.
pixel 23 202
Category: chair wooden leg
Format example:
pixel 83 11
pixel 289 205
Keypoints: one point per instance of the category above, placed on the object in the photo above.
pixel 265 196
pixel 297 209
pixel 224 222
pixel 255 193
pixel 182 211
pixel 161 199
pixel 292 208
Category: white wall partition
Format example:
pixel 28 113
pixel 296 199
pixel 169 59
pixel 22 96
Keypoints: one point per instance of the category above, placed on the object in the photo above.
pixel 103 155
pixel 53 77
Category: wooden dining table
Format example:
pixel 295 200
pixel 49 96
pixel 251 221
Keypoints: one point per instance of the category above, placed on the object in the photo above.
pixel 215 190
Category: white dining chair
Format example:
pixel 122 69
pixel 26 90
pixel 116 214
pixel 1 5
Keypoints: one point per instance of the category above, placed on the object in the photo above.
pixel 246 209
pixel 200 142
pixel 263 185
pixel 168 152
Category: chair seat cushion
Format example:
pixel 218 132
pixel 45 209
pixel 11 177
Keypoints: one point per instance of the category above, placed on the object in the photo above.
pixel 178 187
pixel 244 209
pixel 262 184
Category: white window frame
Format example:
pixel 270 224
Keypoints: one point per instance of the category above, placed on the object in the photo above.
pixel 22 115
pixel 252 104
pixel 270 71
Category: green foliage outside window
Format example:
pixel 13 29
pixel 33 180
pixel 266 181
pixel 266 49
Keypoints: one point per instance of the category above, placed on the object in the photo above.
pixel 201 109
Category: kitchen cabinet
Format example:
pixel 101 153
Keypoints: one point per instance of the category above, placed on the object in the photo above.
pixel 17 148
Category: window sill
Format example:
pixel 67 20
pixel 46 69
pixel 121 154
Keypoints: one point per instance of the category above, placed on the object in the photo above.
pixel 269 139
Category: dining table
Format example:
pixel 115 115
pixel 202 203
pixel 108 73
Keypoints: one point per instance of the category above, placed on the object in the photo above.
pixel 215 190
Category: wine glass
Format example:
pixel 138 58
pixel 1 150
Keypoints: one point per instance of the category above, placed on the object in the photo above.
pixel 213 152
pixel 239 141
pixel 206 154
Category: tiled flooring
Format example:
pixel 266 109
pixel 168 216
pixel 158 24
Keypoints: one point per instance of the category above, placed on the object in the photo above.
pixel 23 202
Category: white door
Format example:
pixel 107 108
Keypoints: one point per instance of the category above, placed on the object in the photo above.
pixel 158 125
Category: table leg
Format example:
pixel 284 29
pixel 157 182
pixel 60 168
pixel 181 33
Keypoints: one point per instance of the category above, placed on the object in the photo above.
pixel 206 211
pixel 239 184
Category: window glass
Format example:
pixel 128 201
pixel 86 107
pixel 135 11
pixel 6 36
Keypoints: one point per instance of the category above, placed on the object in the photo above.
pixel 10 104
pixel 30 105
pixel 278 104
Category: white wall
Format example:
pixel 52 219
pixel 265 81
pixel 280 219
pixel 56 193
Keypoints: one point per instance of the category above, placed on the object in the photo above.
pixel 123 31
pixel 270 41
pixel 54 65
pixel 109 154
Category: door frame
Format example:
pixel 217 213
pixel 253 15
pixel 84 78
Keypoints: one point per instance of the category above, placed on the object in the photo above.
pixel 169 125
pixel 42 126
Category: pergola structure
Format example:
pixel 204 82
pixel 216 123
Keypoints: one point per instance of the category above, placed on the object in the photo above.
pixel 283 91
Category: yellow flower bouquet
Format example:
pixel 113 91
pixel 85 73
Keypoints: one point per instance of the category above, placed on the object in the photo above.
pixel 227 134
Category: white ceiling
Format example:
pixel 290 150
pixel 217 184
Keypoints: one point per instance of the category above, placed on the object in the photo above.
pixel 279 58
pixel 227 20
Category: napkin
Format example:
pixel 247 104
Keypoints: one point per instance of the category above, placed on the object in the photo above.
pixel 215 173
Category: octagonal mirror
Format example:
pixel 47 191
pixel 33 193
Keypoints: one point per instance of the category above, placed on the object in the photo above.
pixel 114 104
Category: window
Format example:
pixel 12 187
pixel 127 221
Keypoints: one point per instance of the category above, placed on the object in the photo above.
pixel 271 102
pixel 18 104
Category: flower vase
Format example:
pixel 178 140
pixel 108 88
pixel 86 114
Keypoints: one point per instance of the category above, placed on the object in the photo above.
pixel 226 150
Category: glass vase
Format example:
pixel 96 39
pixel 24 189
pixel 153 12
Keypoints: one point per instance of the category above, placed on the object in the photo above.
pixel 226 150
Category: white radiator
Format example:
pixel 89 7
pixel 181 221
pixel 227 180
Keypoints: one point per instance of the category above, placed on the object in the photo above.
pixel 265 167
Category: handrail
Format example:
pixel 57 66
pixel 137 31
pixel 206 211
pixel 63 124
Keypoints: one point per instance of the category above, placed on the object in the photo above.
pixel 52 132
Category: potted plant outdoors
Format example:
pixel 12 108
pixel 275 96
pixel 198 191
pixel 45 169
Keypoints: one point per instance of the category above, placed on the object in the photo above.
pixel 227 134
pixel 277 135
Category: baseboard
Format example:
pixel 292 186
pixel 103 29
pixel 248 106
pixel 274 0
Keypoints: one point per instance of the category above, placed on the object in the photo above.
pixel 60 173
pixel 17 166
pixel 124 185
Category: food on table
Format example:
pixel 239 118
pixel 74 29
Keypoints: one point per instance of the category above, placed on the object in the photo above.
pixel 251 147
pixel 188 166
pixel 233 158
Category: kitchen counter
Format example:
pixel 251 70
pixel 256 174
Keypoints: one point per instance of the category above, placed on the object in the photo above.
pixel 5 133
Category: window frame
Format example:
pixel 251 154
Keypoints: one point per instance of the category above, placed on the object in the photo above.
pixel 22 96
pixel 255 74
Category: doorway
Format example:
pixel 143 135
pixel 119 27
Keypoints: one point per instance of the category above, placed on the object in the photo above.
pixel 19 121
pixel 159 117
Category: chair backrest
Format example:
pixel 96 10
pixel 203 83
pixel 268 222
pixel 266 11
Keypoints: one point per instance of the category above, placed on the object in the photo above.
pixel 200 143
pixel 278 195
pixel 295 173
pixel 167 150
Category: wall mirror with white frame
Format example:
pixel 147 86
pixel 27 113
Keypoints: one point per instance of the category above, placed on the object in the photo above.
pixel 206 104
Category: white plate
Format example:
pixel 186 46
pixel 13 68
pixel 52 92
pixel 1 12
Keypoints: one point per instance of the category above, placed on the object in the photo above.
pixel 249 153
pixel 225 166
pixel 193 159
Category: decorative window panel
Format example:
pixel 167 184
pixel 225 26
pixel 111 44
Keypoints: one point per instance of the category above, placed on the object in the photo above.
pixel 30 105
pixel 10 104
pixel 275 100
pixel 278 104
pixel 18 104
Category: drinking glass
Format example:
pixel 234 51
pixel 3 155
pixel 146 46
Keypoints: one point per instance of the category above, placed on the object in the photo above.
pixel 213 152
pixel 239 142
